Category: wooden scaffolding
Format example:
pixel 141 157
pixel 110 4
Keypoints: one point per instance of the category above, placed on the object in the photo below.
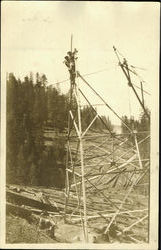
pixel 116 161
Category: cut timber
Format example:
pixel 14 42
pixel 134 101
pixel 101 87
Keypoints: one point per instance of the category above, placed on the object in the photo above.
pixel 120 207
pixel 32 201
pixel 135 223
pixel 109 215
pixel 119 167
pixel 20 199
pixel 17 210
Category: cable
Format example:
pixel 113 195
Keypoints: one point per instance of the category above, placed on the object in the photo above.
pixel 88 74
pixel 146 92
pixel 66 80
pixel 96 112
pixel 126 70
pixel 112 134
pixel 95 72
pixel 105 102
pixel 132 66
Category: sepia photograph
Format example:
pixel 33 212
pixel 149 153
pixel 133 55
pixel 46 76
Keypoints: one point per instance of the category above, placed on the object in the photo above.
pixel 79 125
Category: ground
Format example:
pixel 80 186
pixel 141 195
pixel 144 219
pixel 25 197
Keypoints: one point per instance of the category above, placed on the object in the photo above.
pixel 99 201
pixel 20 231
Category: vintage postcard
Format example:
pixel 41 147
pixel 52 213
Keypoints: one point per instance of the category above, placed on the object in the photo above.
pixel 79 125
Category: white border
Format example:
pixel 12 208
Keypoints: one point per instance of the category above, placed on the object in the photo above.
pixel 154 178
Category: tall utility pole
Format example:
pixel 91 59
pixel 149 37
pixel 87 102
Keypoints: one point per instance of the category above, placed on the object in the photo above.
pixel 71 43
pixel 126 71
pixel 70 62
pixel 142 92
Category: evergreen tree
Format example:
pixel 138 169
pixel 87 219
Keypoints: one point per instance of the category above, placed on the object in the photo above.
pixel 14 126
pixel 29 106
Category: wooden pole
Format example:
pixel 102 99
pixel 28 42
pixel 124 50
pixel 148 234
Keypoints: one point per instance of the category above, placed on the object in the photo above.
pixel 138 152
pixel 71 43
pixel 106 104
pixel 77 192
pixel 109 215
pixel 113 149
pixel 127 74
pixel 120 207
pixel 82 165
pixel 109 171
pixel 66 183
pixel 106 198
pixel 142 92
pixel 135 223
pixel 79 134
pixel 141 176
pixel 89 126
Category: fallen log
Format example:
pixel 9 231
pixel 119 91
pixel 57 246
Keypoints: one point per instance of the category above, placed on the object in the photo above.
pixel 135 223
pixel 19 199
pixel 23 211
pixel 111 214
pixel 134 240
pixel 19 211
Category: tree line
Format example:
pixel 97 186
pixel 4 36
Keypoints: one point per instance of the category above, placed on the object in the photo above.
pixel 142 125
pixel 33 106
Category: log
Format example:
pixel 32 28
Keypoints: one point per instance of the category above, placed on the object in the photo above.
pixel 19 211
pixel 135 223
pixel 19 199
pixel 133 239
pixel 111 214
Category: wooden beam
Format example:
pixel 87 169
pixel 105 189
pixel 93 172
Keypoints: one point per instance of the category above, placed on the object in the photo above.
pixel 89 125
pixel 120 207
pixel 135 223
pixel 109 171
pixel 138 152
pixel 109 215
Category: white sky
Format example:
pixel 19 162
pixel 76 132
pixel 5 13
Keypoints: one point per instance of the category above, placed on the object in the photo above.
pixel 36 37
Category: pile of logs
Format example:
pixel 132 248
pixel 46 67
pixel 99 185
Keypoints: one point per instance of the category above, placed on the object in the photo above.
pixel 46 206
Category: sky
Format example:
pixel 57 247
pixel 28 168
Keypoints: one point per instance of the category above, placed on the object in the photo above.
pixel 36 37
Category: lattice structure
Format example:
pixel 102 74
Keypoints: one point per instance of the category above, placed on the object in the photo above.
pixel 103 169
